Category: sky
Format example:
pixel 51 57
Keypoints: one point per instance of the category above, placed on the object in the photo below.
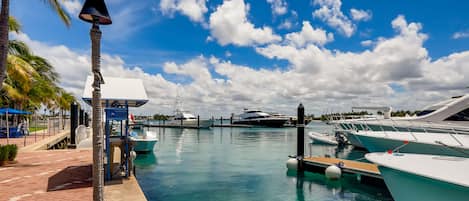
pixel 223 56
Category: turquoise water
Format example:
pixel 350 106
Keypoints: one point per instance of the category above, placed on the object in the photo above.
pixel 241 164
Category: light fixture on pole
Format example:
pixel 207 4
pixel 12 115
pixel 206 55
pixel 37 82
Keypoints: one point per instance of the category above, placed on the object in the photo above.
pixel 95 12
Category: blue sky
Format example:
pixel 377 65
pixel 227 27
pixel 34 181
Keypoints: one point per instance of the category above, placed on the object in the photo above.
pixel 163 39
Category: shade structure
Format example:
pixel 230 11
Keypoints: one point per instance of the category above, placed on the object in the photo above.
pixel 12 111
pixel 118 92
pixel 8 111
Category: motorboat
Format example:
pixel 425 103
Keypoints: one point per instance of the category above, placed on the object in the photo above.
pixel 259 118
pixel 411 177
pixel 320 138
pixel 145 142
pixel 187 119
pixel 449 144
pixel 448 116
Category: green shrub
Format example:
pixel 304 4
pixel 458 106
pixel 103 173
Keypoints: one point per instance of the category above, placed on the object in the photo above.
pixel 12 152
pixel 4 151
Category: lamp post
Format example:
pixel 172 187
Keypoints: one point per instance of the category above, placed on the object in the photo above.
pixel 95 12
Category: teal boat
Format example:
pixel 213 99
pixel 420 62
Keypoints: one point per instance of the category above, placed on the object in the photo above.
pixel 411 177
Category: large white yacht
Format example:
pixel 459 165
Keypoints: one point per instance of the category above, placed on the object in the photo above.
pixel 259 118
pixel 412 177
pixel 449 116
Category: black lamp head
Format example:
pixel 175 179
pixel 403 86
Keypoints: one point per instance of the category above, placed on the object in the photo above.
pixel 97 9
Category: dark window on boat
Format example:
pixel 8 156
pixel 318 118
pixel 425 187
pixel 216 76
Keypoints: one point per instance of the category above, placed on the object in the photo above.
pixel 252 111
pixel 460 116
pixel 256 117
pixel 425 112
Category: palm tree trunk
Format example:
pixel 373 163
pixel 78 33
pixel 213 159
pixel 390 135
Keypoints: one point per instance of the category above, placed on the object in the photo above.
pixel 3 39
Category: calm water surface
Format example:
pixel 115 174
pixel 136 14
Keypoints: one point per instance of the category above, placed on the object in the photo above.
pixel 241 164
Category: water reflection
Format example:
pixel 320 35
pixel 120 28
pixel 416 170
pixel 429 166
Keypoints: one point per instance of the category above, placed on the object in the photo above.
pixel 146 160
pixel 346 188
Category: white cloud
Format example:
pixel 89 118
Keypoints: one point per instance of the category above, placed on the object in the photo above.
pixel 330 13
pixel 194 9
pixel 309 35
pixel 367 43
pixel 320 78
pixel 401 59
pixel 360 15
pixel 290 22
pixel 287 24
pixel 279 7
pixel 229 25
pixel 73 7
pixel 461 34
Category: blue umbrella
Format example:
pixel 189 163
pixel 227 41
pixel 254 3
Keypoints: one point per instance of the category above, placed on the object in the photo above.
pixel 8 111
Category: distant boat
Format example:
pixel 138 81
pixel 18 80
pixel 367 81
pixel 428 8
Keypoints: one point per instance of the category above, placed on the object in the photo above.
pixel 187 119
pixel 145 142
pixel 411 177
pixel 259 118
pixel 320 138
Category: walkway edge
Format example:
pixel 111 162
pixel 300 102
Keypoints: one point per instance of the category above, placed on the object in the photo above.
pixel 43 144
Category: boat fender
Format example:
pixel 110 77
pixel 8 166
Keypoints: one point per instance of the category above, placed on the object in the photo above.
pixel 292 164
pixel 333 172
pixel 133 155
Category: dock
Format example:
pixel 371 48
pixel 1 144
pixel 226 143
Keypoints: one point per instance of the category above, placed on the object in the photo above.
pixel 366 173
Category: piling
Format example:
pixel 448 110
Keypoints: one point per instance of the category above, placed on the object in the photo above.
pixel 300 126
pixel 73 121
pixel 221 120
pixel 87 119
pixel 198 121
pixel 82 118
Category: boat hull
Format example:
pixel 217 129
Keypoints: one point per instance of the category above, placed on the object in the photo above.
pixel 277 123
pixel 353 140
pixel 380 144
pixel 410 187
pixel 144 145
pixel 322 139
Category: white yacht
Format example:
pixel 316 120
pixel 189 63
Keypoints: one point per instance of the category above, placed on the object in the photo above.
pixel 411 177
pixel 259 118
pixel 449 116
pixel 187 119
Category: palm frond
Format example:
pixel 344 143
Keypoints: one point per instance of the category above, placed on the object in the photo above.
pixel 13 25
pixel 60 11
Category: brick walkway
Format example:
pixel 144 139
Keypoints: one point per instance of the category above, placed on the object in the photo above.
pixel 48 175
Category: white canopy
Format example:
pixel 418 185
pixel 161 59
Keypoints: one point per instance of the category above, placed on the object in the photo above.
pixel 118 91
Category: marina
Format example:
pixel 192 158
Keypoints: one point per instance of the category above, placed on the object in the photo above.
pixel 87 113
pixel 244 164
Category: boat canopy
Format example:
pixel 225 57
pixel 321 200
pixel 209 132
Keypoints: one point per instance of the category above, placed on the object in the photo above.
pixel 118 92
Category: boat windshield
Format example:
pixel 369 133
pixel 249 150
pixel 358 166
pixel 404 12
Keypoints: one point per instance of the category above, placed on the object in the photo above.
pixel 425 112
pixel 460 116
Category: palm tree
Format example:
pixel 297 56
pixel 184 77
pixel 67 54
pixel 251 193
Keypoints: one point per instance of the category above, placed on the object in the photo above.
pixel 4 29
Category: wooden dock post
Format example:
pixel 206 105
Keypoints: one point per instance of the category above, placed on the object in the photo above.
pixel 221 121
pixel 300 149
pixel 198 121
